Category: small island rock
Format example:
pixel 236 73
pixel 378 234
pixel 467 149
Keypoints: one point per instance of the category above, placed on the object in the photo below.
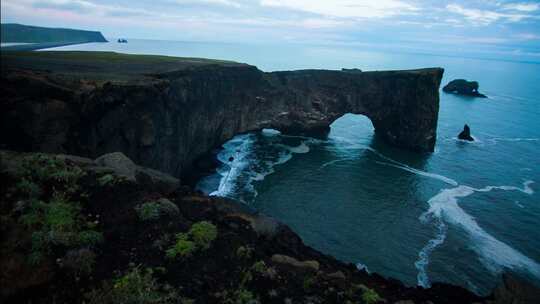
pixel 466 134
pixel 463 87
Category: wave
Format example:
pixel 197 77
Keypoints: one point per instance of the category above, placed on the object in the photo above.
pixel 361 267
pixel 235 159
pixel 247 158
pixel 495 254
pixel 423 256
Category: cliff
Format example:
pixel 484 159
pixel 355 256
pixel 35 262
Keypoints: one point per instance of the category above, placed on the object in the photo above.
pixel 166 112
pixel 11 32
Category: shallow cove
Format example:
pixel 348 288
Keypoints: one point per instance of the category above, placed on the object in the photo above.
pixel 356 198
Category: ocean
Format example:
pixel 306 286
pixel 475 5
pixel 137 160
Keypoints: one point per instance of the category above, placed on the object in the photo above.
pixel 460 215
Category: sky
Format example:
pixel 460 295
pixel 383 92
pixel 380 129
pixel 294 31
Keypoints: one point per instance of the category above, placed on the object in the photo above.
pixel 509 26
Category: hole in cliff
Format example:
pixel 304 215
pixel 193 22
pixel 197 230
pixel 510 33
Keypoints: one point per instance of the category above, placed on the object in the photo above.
pixel 353 128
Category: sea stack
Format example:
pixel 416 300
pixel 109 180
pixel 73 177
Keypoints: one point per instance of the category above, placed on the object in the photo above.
pixel 466 133
pixel 463 87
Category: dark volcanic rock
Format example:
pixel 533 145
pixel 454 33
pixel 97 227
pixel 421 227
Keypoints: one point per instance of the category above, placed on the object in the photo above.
pixel 466 134
pixel 251 253
pixel 167 120
pixel 515 290
pixel 463 87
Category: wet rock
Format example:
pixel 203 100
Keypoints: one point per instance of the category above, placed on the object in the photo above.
pixel 466 134
pixel 463 87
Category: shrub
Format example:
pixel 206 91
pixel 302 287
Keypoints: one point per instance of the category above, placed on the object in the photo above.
pixel 90 238
pixel 148 211
pixel 370 296
pixel 242 296
pixel 109 180
pixel 28 188
pixel 183 247
pixel 198 238
pixel 137 286
pixel 259 267
pixel 203 234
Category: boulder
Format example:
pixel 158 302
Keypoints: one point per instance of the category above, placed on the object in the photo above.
pixel 466 134
pixel 159 181
pixel 121 164
pixel 290 262
pixel 463 87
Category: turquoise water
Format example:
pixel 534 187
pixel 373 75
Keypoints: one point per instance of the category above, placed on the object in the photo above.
pixel 459 215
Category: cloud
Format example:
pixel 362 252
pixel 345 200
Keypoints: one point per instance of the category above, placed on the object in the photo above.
pixel 485 17
pixel 522 7
pixel 346 8
pixel 215 2
pixel 87 8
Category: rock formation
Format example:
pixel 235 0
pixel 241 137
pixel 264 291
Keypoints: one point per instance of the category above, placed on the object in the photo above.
pixel 166 112
pixel 463 87
pixel 466 134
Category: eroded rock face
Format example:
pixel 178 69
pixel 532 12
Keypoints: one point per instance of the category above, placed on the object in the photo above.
pixel 167 121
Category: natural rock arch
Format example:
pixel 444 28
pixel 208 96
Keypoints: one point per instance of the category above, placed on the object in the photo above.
pixel 167 120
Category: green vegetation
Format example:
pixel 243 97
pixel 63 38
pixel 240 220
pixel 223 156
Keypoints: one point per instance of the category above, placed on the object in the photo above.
pixel 50 208
pixel 309 282
pixel 240 296
pixel 148 211
pixel 109 180
pixel 198 238
pixel 183 247
pixel 151 211
pixel 203 234
pixel 136 286
pixel 244 252
pixel 370 296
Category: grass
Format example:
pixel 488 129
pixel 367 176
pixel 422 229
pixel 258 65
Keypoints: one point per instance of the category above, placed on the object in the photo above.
pixel 103 66
pixel 370 296
pixel 51 208
pixel 136 286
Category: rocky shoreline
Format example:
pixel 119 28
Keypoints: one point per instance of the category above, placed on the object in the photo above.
pixel 97 228
pixel 251 256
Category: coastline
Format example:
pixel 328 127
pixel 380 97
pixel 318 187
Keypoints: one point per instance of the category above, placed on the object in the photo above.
pixel 146 139
pixel 39 46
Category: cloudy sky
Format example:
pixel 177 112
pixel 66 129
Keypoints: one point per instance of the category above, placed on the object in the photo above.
pixel 513 24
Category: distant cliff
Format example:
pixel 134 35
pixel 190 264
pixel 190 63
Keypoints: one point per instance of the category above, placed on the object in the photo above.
pixel 166 112
pixel 11 32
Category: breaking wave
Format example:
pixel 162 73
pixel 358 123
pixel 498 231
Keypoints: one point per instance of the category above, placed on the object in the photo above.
pixel 495 254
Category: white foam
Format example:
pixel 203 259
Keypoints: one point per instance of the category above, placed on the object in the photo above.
pixel 361 267
pixel 334 162
pixel 300 149
pixel 239 149
pixel 515 139
pixel 423 256
pixel 270 132
pixel 495 254
pixel 419 172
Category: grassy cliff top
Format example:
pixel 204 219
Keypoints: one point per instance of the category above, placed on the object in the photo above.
pixel 12 32
pixel 103 64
